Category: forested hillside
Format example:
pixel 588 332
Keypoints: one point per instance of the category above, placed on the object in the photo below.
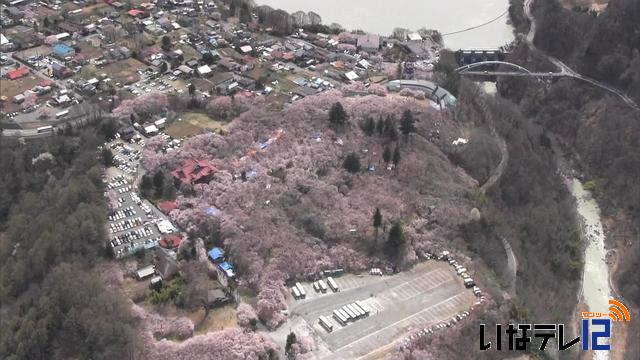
pixel 52 215
pixel 605 46
pixel 598 131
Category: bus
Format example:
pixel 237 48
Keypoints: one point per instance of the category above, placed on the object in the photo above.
pixel 326 323
pixel 360 309
pixel 345 315
pixel 295 292
pixel 332 284
pixel 323 286
pixel 62 114
pixel 352 315
pixel 354 310
pixel 342 320
pixel 363 307
pixel 303 294
pixel 316 287
pixel 45 129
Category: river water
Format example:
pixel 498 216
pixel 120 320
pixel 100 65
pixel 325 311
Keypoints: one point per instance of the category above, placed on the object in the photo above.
pixel 382 17
pixel 595 280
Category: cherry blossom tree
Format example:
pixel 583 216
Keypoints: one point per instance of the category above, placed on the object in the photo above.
pixel 30 100
pixel 347 47
pixel 143 106
pixel 377 89
pixel 278 171
pixel 247 316
pixel 50 40
pixel 220 107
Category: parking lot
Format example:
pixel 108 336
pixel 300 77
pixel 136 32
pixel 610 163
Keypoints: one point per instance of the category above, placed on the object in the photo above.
pixel 134 223
pixel 427 294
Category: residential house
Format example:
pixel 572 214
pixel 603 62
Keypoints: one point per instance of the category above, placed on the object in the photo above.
pixel 63 51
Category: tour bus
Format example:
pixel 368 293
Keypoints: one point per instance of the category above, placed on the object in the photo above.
pixel 337 314
pixel 296 292
pixel 323 286
pixel 45 129
pixel 355 311
pixel 360 309
pixel 62 114
pixel 343 313
pixel 316 286
pixel 332 284
pixel 326 323
pixel 363 307
pixel 352 315
pixel 303 294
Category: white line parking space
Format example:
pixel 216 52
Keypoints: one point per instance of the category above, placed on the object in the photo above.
pixel 427 294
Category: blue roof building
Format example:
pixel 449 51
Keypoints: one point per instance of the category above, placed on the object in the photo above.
pixel 216 254
pixel 227 268
pixel 62 51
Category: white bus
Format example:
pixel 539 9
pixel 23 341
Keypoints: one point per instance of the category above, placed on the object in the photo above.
pixel 342 320
pixel 352 316
pixel 332 284
pixel 344 314
pixel 62 114
pixel 355 311
pixel 45 129
pixel 316 287
pixel 360 309
pixel 363 307
pixel 295 292
pixel 303 294
pixel 323 286
pixel 326 323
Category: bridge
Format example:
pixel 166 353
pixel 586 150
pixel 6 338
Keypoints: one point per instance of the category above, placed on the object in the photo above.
pixel 515 70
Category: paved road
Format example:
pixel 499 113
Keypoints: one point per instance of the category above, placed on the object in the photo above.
pixel 565 69
pixel 428 293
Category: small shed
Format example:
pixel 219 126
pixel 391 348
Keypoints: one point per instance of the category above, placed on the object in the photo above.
pixel 145 272
pixel 204 70
pixel 216 254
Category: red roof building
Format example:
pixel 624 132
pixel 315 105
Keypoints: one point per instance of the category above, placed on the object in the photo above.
pixel 18 73
pixel 167 206
pixel 171 241
pixel 135 12
pixel 195 172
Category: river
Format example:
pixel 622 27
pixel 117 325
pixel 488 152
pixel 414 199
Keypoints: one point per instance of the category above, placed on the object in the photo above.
pixel 595 279
pixel 382 17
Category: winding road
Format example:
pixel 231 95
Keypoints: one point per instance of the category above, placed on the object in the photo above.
pixel 564 68
pixel 512 261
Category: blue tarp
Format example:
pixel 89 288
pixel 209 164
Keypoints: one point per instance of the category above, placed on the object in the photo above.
pixel 212 211
pixel 227 268
pixel 216 253
pixel 62 49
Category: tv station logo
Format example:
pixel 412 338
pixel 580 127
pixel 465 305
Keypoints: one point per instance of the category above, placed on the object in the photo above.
pixel 520 335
